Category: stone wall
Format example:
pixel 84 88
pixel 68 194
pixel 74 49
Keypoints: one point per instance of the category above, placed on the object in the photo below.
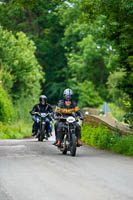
pixel 111 123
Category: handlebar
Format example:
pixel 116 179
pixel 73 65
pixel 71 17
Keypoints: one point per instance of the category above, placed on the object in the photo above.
pixel 59 118
pixel 37 113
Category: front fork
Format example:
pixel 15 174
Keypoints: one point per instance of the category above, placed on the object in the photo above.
pixel 41 127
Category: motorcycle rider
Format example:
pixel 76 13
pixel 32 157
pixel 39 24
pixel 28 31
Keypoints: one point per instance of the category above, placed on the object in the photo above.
pixel 42 107
pixel 66 107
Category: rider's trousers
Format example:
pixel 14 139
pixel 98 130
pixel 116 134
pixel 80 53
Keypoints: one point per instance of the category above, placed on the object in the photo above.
pixel 36 124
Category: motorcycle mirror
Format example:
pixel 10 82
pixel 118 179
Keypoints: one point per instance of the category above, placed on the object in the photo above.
pixel 58 113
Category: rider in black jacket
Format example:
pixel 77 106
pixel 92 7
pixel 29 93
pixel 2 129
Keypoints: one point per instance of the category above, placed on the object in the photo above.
pixel 42 107
pixel 66 107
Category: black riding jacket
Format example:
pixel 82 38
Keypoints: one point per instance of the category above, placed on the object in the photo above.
pixel 47 108
pixel 65 110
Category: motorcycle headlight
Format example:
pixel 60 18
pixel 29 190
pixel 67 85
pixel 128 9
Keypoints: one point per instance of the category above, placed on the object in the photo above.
pixel 38 120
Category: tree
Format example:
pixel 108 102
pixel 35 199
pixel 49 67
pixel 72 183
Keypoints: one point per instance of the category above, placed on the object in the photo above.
pixel 39 21
pixel 88 52
pixel 117 95
pixel 88 96
pixel 20 72
pixel 119 30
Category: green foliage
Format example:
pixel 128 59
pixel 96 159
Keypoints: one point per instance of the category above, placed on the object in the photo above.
pixel 76 41
pixel 20 76
pixel 85 58
pixel 119 31
pixel 22 107
pixel 111 25
pixel 117 112
pixel 102 137
pixel 88 97
pixel 118 96
pixel 19 64
pixel 128 118
pixel 6 107
pixel 124 145
pixel 56 28
pixel 15 131
pixel 39 20
pixel 88 53
pixel 99 137
pixel 127 82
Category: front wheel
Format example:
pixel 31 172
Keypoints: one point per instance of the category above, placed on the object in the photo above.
pixel 73 145
pixel 41 135
pixel 64 150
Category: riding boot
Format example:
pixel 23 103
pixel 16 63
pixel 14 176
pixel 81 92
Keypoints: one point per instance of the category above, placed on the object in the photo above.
pixel 55 142
pixel 58 144
pixel 34 132
pixel 79 143
pixel 59 136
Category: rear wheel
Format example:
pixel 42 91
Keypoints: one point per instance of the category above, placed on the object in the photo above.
pixel 73 145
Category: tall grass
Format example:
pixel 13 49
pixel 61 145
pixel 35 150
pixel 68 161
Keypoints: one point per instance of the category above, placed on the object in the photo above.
pixel 21 125
pixel 15 130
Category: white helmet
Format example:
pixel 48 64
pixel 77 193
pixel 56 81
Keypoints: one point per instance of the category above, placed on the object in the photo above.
pixel 67 92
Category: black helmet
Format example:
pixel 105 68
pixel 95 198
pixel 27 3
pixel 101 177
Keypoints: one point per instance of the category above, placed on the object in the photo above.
pixel 43 97
pixel 68 92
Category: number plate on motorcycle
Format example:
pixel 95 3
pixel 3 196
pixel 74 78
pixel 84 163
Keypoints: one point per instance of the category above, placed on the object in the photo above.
pixel 43 114
pixel 70 119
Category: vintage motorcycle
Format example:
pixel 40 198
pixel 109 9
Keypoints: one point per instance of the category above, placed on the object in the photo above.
pixel 42 133
pixel 69 140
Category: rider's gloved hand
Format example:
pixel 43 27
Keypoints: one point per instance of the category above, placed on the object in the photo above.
pixel 51 117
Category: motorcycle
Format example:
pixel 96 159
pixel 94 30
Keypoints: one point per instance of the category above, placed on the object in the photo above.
pixel 69 140
pixel 42 133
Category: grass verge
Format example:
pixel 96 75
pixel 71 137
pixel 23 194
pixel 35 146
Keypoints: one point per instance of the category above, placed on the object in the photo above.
pixel 103 138
pixel 15 131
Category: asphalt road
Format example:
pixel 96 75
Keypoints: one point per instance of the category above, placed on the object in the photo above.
pixel 31 170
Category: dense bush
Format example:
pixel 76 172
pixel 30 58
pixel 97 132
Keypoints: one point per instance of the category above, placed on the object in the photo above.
pixel 99 137
pixel 123 145
pixel 103 138
pixel 128 118
pixel 6 107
